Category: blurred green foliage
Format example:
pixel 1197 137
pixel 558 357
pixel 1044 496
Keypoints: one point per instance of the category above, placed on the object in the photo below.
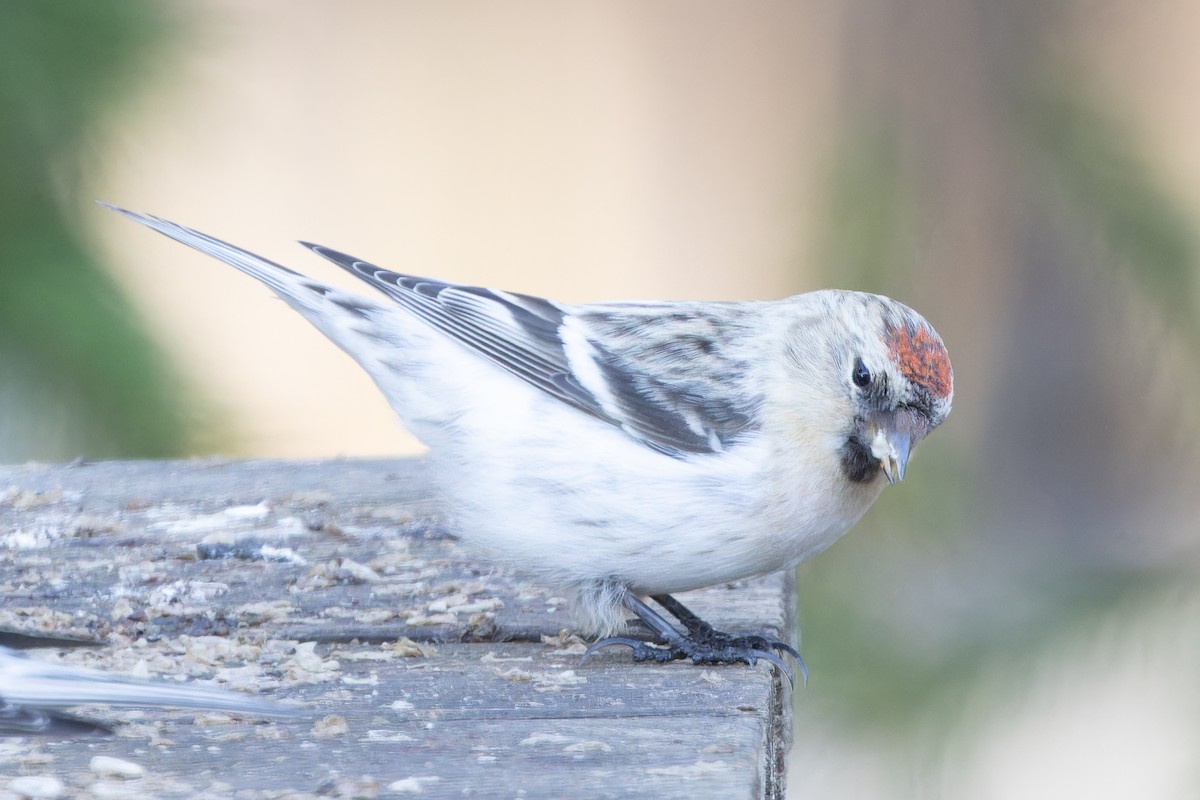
pixel 869 205
pixel 1099 167
pixel 80 378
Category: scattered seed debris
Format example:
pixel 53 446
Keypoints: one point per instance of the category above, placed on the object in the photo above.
pixel 115 767
pixel 414 785
pixel 592 746
pixel 330 727
pixel 36 787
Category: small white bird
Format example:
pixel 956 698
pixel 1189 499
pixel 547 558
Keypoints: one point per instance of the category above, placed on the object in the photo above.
pixel 33 691
pixel 629 450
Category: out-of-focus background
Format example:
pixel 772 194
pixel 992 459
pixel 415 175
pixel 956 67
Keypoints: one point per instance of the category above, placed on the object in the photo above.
pixel 1021 618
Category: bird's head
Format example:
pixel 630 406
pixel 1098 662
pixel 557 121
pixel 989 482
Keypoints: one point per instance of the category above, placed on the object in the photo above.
pixel 897 374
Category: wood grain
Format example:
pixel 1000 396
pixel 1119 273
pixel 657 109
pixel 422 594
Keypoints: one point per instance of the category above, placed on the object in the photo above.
pixel 297 580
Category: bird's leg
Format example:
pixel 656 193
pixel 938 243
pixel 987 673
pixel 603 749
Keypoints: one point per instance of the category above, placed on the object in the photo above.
pixel 664 633
pixel 702 644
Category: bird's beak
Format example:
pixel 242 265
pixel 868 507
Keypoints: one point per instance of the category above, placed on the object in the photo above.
pixel 892 450
pixel 894 439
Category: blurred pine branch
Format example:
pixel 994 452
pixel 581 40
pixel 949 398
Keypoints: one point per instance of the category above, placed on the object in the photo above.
pixel 81 377
pixel 1110 185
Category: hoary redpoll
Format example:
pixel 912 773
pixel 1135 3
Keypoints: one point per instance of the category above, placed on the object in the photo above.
pixel 631 450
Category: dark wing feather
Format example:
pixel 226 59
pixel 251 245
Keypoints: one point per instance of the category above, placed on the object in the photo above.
pixel 675 410
pixel 517 332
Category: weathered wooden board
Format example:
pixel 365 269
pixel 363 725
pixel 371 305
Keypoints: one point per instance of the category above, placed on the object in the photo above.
pixel 295 580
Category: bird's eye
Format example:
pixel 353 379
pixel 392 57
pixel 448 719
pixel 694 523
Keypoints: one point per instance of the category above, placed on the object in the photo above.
pixel 861 375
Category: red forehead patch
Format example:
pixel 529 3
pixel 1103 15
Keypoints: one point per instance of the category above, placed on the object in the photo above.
pixel 922 358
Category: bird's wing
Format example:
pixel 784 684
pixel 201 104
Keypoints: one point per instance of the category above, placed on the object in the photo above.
pixel 27 640
pixel 22 721
pixel 29 686
pixel 31 691
pixel 663 373
pixel 657 371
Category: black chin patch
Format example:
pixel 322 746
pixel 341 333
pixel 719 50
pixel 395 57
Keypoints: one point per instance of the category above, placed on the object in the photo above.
pixel 858 465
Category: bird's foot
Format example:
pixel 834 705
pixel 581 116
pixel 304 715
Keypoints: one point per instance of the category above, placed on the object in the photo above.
pixel 702 643
pixel 723 649
pixel 719 640
pixel 702 633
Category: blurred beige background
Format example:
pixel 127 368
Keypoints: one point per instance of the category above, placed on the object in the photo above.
pixel 580 151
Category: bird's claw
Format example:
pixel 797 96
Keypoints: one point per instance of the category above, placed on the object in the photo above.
pixel 727 650
pixel 764 647
pixel 753 646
